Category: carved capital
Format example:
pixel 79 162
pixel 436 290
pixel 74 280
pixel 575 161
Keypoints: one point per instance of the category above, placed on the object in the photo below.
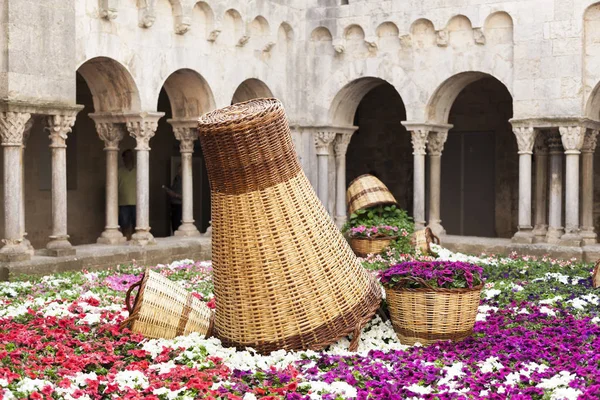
pixel 590 141
pixel 478 36
pixel 111 134
pixel 572 138
pixel 142 131
pixel 146 13
pixel 323 140
pixel 108 9
pixel 186 137
pixel 268 47
pixel 442 38
pixel 182 27
pixel 213 35
pixel 58 127
pixel 338 46
pixel 242 41
pixel 371 43
pixel 341 144
pixel 12 127
pixel 419 141
pixel 525 138
pixel 436 141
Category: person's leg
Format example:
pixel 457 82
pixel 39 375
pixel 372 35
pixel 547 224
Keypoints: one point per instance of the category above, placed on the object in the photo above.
pixel 128 221
pixel 178 211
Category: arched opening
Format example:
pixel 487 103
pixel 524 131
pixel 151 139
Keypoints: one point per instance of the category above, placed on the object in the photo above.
pixel 251 89
pixel 381 146
pixel 184 97
pixel 480 171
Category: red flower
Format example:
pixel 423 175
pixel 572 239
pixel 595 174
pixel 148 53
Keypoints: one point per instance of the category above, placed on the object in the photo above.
pixel 212 303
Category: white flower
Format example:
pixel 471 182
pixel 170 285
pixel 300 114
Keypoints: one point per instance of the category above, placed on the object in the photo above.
pixel 3 383
pixel 578 303
pixel 596 320
pixel 419 389
pixel 551 301
pixel 57 310
pixel 490 364
pixel 131 379
pixel 27 385
pixel 249 396
pixel 89 319
pixel 451 374
pixel 491 293
pixel 565 394
pixel 563 378
pixel 547 311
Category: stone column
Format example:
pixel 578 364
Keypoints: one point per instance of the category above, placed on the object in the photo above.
pixel 111 133
pixel 541 190
pixel 555 228
pixel 12 127
pixel 572 139
pixel 419 141
pixel 587 187
pixel 186 136
pixel 26 134
pixel 435 145
pixel 59 127
pixel 341 146
pixel 142 128
pixel 525 140
pixel 323 142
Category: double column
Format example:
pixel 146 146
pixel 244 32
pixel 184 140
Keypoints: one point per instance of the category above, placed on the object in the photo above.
pixel 142 127
pixel 588 234
pixel 186 131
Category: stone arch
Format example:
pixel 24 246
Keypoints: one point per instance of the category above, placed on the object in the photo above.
pixel 354 33
pixel 388 35
pixel 591 60
pixel 285 37
pixel 321 34
pixel 233 26
pixel 346 101
pixel 259 32
pixel 251 89
pixel 498 28
pixel 189 94
pixel 460 31
pixel 422 33
pixel 112 86
pixel 203 19
pixel 442 99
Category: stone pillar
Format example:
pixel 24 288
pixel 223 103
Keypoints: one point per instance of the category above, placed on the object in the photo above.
pixel 323 142
pixel 26 134
pixel 142 128
pixel 419 142
pixel 435 145
pixel 541 190
pixel 186 136
pixel 525 140
pixel 341 146
pixel 111 133
pixel 59 127
pixel 555 228
pixel 12 127
pixel 572 139
pixel 588 234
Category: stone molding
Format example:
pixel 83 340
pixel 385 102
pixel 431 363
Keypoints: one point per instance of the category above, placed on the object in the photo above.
pixel 572 138
pixel 111 134
pixel 58 127
pixel 436 141
pixel 419 133
pixel 142 127
pixel 525 138
pixel 479 36
pixel 554 122
pixel 341 144
pixel 108 9
pixel 590 141
pixel 243 41
pixel 213 35
pixel 12 128
pixel 323 140
pixel 186 131
pixel 146 13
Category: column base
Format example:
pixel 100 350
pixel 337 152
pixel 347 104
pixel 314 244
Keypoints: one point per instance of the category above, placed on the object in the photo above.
pixel 539 233
pixel 208 232
pixel 340 220
pixel 554 234
pixel 572 239
pixel 27 243
pixel 59 246
pixel 419 225
pixel 142 238
pixel 588 236
pixel 187 229
pixel 524 235
pixel 437 228
pixel 111 236
pixel 14 252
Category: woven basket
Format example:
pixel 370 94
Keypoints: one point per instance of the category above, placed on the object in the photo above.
pixel 164 309
pixel 596 275
pixel 365 246
pixel 422 239
pixel 427 315
pixel 367 191
pixel 284 276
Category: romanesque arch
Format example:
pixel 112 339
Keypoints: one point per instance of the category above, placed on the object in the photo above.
pixel 251 89
pixel 189 94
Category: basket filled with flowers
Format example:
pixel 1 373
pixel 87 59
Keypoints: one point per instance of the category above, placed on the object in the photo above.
pixel 432 301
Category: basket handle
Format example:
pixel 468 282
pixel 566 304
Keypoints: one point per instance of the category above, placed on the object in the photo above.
pixel 431 238
pixel 128 295
pixel 420 281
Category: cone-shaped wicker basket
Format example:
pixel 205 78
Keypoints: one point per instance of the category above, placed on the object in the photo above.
pixel 284 276
pixel 367 191
pixel 164 309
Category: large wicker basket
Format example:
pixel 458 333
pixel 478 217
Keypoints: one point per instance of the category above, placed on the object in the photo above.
pixel 365 246
pixel 367 191
pixel 284 276
pixel 164 309
pixel 427 315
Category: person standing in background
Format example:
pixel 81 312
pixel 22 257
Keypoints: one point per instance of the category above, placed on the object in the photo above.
pixel 127 194
pixel 175 196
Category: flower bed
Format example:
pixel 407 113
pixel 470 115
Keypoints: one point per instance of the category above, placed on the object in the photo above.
pixel 537 337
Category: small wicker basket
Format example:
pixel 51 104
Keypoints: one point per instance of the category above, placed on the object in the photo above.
pixel 422 239
pixel 367 191
pixel 365 246
pixel 427 315
pixel 164 309
pixel 596 275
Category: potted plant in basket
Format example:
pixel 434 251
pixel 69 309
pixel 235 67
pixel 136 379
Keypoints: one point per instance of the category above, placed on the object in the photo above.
pixel 431 301
pixel 373 229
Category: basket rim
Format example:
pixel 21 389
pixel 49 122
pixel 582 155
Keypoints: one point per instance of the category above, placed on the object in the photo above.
pixel 436 290
pixel 377 238
pixel 374 204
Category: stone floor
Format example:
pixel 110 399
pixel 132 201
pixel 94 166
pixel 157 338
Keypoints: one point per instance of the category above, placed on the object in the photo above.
pixel 96 256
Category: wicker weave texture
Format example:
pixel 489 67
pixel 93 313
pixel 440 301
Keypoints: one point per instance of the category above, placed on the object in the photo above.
pixel 284 276
pixel 367 191
pixel 421 240
pixel 164 309
pixel 363 247
pixel 426 315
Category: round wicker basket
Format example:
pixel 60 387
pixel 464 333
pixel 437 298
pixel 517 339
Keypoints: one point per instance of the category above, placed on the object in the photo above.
pixel 367 191
pixel 365 246
pixel 164 309
pixel 427 315
pixel 421 240
pixel 284 276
